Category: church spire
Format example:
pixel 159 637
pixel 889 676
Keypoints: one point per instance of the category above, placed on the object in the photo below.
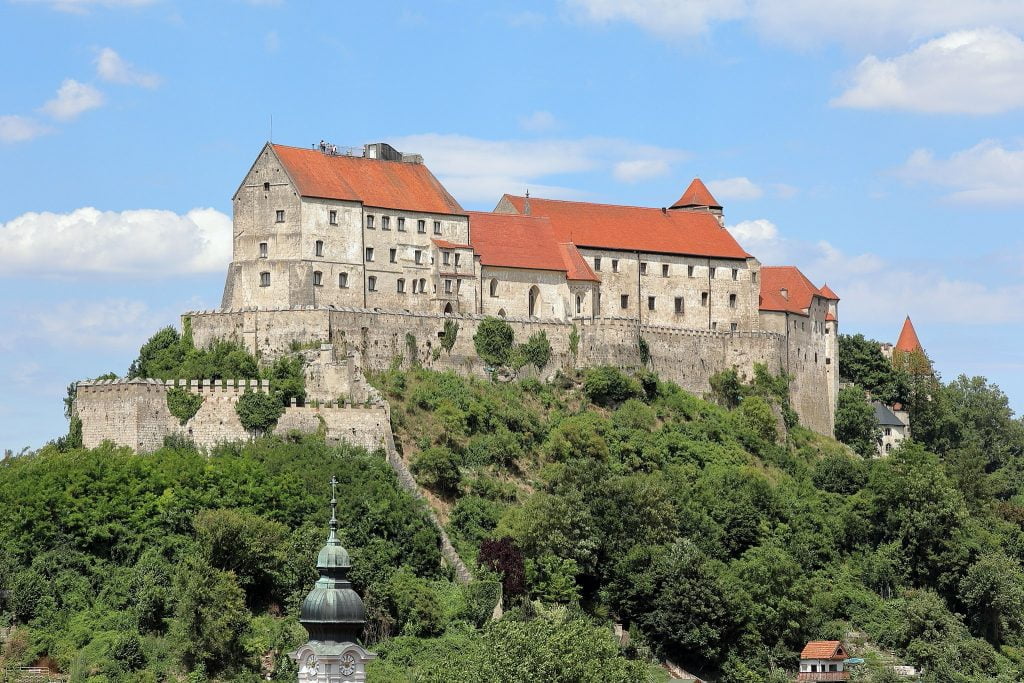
pixel 908 340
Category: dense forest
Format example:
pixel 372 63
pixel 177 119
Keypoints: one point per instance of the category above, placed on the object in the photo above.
pixel 719 533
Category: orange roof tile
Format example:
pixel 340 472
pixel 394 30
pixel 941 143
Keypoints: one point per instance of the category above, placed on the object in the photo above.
pixel 374 182
pixel 908 340
pixel 827 292
pixel 799 289
pixel 697 194
pixel 830 317
pixel 514 241
pixel 445 244
pixel 823 649
pixel 632 228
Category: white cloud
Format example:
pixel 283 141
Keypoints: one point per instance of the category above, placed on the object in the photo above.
pixel 104 324
pixel 640 169
pixel 987 173
pixel 753 232
pixel 735 188
pixel 482 170
pixel 111 67
pixel 538 121
pixel 272 42
pixel 73 99
pixel 803 23
pixel 20 129
pixel 82 6
pixel 971 72
pixel 145 242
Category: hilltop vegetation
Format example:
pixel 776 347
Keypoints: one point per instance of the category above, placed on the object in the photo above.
pixel 718 532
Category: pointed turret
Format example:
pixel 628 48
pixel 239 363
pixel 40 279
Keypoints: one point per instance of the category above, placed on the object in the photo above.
pixel 827 292
pixel 697 196
pixel 908 340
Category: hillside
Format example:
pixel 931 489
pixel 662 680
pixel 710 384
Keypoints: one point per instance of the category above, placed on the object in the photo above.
pixel 721 539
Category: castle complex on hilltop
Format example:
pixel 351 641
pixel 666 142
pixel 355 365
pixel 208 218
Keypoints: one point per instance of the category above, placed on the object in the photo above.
pixel 368 254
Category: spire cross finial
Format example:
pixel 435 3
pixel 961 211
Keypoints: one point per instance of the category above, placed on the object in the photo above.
pixel 334 504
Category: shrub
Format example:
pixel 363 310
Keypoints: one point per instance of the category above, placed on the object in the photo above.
pixel 438 468
pixel 287 379
pixel 474 518
pixel 450 334
pixel 504 557
pixel 605 385
pixel 494 341
pixel 258 411
pixel 839 473
pixel 183 404
pixel 537 350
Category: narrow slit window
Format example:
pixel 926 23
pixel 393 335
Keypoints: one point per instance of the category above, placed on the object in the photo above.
pixel 664 270
pixel 319 247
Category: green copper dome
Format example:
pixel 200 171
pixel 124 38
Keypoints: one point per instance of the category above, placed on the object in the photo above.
pixel 333 612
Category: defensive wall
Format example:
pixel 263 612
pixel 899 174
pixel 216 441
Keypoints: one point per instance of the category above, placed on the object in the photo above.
pixel 376 338
pixel 134 413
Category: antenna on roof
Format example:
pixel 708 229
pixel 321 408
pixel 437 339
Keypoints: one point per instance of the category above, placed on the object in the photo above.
pixel 526 204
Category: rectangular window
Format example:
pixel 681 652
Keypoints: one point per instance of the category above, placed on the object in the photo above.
pixel 753 277
pixel 319 247
pixel 318 278
pixel 456 259
pixel 385 222
pixel 650 303
pixel 415 286
pixel 714 325
pixel 597 263
pixel 369 253
pixel 733 327
pixel 264 279
pixel 735 274
pixel 437 227
pixel 401 285
pixel 280 216
pixel 643 268
pixel 624 301
pixel 421 227
pixel 664 270
pixel 714 271
pixel 369 222
pixel 263 250
pixel 447 286
pixel 679 304
pixel 393 255
pixel 689 271
pixel 371 283
pixel 418 256
pixel 703 298
pixel 401 225
pixel 732 301
pixel 333 217
pixel 615 265
pixel 343 280
pixel 447 256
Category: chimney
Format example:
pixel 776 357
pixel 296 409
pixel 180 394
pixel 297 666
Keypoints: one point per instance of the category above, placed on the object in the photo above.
pixel 526 204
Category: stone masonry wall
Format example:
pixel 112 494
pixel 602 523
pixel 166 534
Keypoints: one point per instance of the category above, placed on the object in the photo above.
pixel 134 413
pixel 379 338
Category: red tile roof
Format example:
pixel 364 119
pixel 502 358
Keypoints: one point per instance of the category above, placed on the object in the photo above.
pixel 823 649
pixel 445 244
pixel 697 194
pixel 800 290
pixel 827 292
pixel 631 228
pixel 514 241
pixel 830 317
pixel 374 182
pixel 908 340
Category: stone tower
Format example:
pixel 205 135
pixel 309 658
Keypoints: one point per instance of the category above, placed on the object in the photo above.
pixel 334 617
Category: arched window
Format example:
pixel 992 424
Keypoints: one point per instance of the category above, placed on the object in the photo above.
pixel 448 308
pixel 579 304
pixel 501 312
pixel 423 285
pixel 494 287
pixel 534 301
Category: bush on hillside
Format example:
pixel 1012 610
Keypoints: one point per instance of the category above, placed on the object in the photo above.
pixel 605 386
pixel 258 411
pixel 183 404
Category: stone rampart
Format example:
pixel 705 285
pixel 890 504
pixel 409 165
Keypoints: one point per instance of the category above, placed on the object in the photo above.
pixel 379 338
pixel 134 413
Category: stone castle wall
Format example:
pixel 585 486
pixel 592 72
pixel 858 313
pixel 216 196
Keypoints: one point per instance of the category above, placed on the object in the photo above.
pixel 134 413
pixel 378 338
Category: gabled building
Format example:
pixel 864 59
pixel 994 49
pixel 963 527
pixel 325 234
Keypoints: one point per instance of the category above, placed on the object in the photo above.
pixel 823 660
pixel 894 426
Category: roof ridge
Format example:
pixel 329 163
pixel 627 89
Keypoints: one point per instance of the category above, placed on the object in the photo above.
pixel 572 201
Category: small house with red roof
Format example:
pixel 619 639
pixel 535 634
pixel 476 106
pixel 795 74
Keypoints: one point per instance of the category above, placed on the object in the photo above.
pixel 823 660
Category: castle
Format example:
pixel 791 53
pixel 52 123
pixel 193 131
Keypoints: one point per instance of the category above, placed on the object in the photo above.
pixel 367 254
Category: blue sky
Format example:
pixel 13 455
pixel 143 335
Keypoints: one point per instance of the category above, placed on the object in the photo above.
pixel 875 144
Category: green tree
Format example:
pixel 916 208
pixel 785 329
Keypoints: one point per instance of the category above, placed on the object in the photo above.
pixel 438 468
pixel 183 404
pixel 855 422
pixel 605 385
pixel 258 411
pixel 537 350
pixel 494 341
pixel 861 362
pixel 993 592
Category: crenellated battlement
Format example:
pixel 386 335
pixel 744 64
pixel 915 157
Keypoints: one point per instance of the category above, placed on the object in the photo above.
pixel 203 387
